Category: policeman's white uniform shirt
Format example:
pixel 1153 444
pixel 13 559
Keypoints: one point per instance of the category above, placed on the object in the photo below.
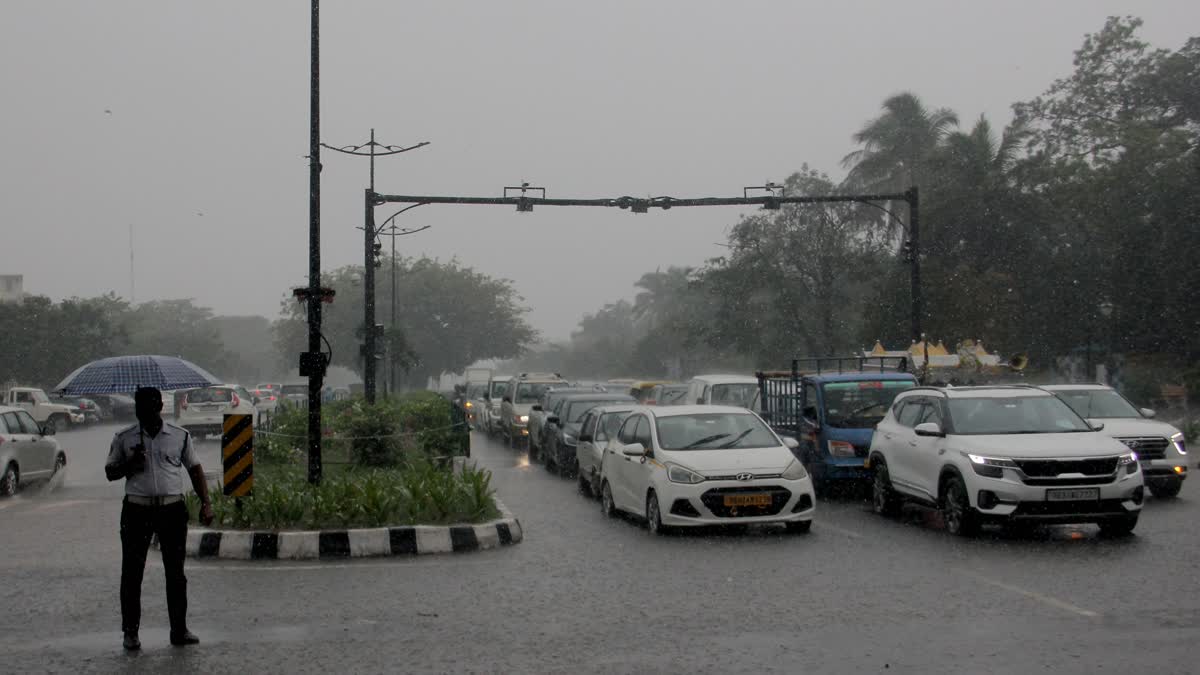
pixel 169 455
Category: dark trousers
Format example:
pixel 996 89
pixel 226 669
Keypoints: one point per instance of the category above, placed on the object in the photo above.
pixel 138 524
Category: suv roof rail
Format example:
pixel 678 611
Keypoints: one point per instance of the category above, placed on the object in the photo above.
pixel 822 365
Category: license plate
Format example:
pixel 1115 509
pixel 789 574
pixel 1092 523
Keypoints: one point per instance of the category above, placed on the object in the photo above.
pixel 1074 495
pixel 748 500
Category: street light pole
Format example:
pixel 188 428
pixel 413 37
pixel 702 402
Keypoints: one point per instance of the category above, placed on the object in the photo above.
pixel 388 228
pixel 314 297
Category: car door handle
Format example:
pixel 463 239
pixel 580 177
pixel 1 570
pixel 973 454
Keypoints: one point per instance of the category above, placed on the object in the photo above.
pixel 888 436
pixel 912 443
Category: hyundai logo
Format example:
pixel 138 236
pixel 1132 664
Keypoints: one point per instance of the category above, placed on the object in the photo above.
pixel 744 476
pixel 1132 445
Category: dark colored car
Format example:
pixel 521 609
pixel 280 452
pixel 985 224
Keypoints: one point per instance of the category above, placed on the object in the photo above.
pixel 115 407
pixel 562 428
pixel 91 410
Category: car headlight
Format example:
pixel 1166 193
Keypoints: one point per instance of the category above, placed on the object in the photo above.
pixel 1129 461
pixel 1180 443
pixel 990 467
pixel 523 419
pixel 679 474
pixel 795 471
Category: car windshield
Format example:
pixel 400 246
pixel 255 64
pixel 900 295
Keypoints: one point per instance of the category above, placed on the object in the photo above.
pixel 1098 403
pixel 671 395
pixel 1013 415
pixel 577 409
pixel 713 431
pixel 860 404
pixel 211 395
pixel 739 394
pixel 531 392
pixel 499 389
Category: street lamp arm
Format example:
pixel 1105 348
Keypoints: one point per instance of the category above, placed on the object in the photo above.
pixel 886 210
pixel 384 152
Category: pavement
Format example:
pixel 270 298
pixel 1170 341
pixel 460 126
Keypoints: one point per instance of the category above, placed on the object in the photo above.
pixel 583 594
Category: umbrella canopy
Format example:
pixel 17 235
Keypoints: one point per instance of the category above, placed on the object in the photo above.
pixel 124 374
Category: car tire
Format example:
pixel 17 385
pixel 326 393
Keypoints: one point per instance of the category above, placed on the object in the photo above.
pixel 60 463
pixel 1122 527
pixel 884 500
pixel 585 485
pixel 654 515
pixel 960 519
pixel 10 482
pixel 549 457
pixel 1165 488
pixel 607 506
pixel 60 423
pixel 798 526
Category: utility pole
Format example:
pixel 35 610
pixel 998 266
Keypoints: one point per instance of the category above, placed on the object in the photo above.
pixel 914 249
pixel 131 294
pixel 391 230
pixel 370 232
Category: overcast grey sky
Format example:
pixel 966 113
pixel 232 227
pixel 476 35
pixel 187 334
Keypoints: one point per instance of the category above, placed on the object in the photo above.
pixel 189 120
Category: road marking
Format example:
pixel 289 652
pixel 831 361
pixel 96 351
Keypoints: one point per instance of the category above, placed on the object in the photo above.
pixel 1032 595
pixel 822 525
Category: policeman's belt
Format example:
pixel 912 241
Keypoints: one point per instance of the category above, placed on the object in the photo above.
pixel 153 501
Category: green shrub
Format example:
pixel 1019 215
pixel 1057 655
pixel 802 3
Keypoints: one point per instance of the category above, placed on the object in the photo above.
pixel 421 493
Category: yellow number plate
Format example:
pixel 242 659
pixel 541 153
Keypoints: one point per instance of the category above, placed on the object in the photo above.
pixel 748 500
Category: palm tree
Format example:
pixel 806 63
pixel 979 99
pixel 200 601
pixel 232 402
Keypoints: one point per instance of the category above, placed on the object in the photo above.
pixel 896 145
pixel 660 293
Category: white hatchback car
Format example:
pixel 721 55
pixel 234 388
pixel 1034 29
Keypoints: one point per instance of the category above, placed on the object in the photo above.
pixel 28 453
pixel 1002 454
pixel 1160 447
pixel 598 428
pixel 203 410
pixel 704 465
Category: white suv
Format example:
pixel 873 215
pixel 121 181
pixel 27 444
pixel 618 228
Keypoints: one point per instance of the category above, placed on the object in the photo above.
pixel 1160 447
pixel 1002 454
pixel 203 410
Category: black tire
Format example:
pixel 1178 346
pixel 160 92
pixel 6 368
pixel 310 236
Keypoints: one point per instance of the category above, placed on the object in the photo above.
pixel 60 463
pixel 1122 527
pixel 798 526
pixel 884 500
pixel 654 515
pixel 549 458
pixel 607 506
pixel 562 463
pixel 10 481
pixel 1165 488
pixel 59 422
pixel 961 520
pixel 585 486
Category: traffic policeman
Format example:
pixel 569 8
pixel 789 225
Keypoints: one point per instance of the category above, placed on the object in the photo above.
pixel 155 459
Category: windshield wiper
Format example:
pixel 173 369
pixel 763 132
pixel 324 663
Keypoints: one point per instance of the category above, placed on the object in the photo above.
pixel 702 441
pixel 737 440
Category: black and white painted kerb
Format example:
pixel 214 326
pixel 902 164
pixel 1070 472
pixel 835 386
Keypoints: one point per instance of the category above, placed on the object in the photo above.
pixel 356 543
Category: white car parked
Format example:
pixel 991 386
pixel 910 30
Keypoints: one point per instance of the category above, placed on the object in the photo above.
pixel 28 452
pixel 1160 447
pixel 1002 454
pixel 704 465
pixel 203 410
pixel 598 428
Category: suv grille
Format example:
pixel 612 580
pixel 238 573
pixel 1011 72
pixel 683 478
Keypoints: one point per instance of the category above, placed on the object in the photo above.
pixel 714 500
pixel 1052 468
pixel 1146 447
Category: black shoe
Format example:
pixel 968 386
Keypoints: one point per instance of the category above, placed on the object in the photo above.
pixel 131 641
pixel 184 639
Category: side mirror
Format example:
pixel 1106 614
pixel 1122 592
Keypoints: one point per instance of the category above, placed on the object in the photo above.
pixel 1097 426
pixel 791 442
pixel 929 429
pixel 633 450
pixel 48 430
pixel 1147 413
pixel 552 419
pixel 537 407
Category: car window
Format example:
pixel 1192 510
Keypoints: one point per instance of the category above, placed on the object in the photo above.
pixel 589 424
pixel 628 431
pixel 27 424
pixel 24 397
pixel 4 426
pixel 642 433
pixel 12 423
pixel 910 411
pixel 810 400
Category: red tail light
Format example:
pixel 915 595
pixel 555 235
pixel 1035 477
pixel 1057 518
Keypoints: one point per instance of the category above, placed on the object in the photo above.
pixel 236 401
pixel 272 398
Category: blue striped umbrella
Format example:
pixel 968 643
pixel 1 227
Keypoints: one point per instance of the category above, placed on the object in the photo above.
pixel 124 374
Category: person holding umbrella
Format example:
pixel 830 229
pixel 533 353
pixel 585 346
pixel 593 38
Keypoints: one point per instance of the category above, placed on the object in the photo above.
pixel 153 457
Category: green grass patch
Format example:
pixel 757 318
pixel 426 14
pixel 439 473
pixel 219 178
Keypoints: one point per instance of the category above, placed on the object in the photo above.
pixel 418 493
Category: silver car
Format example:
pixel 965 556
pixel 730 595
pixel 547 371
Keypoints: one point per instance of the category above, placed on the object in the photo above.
pixel 28 453
pixel 598 428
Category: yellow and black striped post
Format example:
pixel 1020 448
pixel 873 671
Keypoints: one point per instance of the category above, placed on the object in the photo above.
pixel 237 454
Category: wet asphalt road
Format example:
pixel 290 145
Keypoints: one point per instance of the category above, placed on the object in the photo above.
pixel 586 594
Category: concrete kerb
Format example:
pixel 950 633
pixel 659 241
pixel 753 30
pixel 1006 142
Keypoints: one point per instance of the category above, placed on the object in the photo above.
pixel 406 540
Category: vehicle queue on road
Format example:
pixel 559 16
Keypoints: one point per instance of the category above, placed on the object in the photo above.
pixel 759 449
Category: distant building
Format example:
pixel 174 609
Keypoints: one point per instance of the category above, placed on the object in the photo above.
pixel 12 287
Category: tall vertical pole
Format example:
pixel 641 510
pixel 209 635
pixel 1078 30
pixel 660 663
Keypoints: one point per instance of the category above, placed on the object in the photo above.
pixel 392 322
pixel 914 242
pixel 315 376
pixel 369 294
pixel 131 288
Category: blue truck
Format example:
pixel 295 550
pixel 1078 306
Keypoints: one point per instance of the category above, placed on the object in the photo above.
pixel 831 405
